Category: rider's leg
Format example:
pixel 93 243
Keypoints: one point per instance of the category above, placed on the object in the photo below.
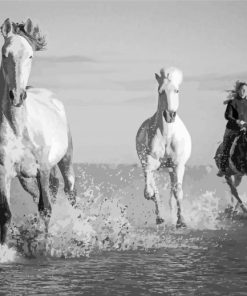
pixel 227 142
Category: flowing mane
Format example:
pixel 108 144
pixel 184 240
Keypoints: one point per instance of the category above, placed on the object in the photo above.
pixel 232 93
pixel 35 38
pixel 173 74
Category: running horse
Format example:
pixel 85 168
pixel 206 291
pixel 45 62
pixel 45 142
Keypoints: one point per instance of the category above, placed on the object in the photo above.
pixel 236 166
pixel 163 141
pixel 34 131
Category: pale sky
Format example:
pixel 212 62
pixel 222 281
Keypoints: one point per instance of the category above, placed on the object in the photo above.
pixel 101 58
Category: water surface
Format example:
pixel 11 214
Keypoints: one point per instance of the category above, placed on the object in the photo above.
pixel 111 245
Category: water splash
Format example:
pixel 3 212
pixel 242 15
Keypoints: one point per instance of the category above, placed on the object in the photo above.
pixel 112 214
pixel 7 254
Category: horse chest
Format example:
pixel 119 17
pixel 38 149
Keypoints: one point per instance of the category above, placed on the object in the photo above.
pixel 18 157
pixel 162 145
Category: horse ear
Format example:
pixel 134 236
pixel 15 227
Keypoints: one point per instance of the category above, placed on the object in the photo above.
pixel 28 27
pixel 158 78
pixel 6 28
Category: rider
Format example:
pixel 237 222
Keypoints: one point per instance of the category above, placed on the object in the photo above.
pixel 236 114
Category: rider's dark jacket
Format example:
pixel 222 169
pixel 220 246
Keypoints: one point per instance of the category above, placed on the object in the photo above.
pixel 236 110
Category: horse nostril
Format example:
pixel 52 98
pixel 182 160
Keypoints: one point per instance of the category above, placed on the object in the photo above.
pixel 11 95
pixel 23 95
pixel 173 114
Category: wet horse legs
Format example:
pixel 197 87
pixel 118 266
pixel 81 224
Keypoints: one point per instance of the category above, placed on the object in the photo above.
pixel 31 185
pixel 67 171
pixel 234 191
pixel 151 192
pixel 5 214
pixel 176 187
pixel 53 183
pixel 44 205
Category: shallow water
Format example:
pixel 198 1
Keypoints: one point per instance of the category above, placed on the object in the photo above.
pixel 111 245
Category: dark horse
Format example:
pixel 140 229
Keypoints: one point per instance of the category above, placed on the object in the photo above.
pixel 236 166
pixel 34 133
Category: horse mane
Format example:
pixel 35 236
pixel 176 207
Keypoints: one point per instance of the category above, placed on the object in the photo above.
pixel 227 101
pixel 173 74
pixel 232 93
pixel 35 38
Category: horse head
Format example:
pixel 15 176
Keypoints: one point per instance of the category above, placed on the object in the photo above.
pixel 169 81
pixel 20 42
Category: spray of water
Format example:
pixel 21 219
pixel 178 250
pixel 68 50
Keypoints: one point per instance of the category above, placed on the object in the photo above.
pixel 112 214
pixel 7 254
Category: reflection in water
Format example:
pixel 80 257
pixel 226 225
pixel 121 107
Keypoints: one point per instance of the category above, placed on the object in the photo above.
pixel 111 245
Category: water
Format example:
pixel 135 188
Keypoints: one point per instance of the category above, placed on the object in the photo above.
pixel 111 245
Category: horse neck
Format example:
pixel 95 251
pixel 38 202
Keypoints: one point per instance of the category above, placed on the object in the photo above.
pixel 16 116
pixel 161 106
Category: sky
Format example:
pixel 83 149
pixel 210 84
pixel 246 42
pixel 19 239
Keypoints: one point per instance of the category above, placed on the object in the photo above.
pixel 101 58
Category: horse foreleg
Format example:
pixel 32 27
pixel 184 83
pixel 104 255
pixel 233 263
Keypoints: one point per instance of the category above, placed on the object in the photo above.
pixel 31 186
pixel 172 178
pixel 151 192
pixel 5 214
pixel 178 193
pixel 234 192
pixel 44 205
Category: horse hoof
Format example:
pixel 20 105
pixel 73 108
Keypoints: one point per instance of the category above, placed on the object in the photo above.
pixel 159 220
pixel 180 224
pixel 149 197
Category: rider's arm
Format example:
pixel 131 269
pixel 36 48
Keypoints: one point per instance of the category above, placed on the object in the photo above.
pixel 229 115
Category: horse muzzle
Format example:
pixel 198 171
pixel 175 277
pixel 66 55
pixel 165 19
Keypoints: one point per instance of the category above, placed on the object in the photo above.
pixel 15 99
pixel 169 116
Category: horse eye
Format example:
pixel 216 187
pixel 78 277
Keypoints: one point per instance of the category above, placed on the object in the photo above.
pixel 176 91
pixel 4 56
pixel 30 57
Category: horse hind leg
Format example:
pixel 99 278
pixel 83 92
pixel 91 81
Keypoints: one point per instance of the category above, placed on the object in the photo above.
pixel 68 174
pixel 44 205
pixel 66 168
pixel 54 183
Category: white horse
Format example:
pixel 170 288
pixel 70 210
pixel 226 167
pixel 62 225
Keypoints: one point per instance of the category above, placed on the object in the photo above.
pixel 163 140
pixel 34 131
